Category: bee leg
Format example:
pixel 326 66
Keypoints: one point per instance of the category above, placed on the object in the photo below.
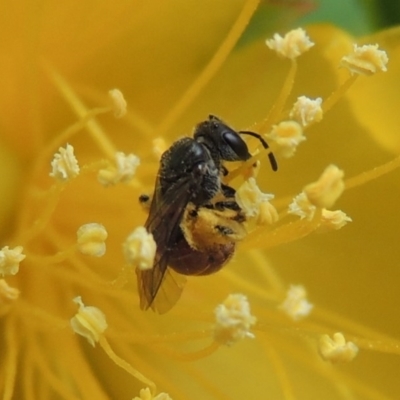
pixel 227 204
pixel 232 231
pixel 228 191
pixel 220 206
pixel 224 230
pixel 223 205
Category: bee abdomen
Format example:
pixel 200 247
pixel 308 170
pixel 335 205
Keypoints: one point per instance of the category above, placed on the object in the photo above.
pixel 188 261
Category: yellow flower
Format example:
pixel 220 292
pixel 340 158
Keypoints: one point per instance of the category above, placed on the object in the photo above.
pixel 69 167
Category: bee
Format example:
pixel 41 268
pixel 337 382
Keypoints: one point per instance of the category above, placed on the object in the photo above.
pixel 193 216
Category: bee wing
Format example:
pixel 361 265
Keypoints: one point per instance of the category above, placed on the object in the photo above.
pixel 169 291
pixel 160 287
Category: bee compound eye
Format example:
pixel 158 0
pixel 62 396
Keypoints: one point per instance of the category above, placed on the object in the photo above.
pixel 237 144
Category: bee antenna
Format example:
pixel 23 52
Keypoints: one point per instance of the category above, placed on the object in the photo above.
pixel 271 157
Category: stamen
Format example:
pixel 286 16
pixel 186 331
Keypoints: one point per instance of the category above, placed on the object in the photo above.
pixel 372 174
pixel 338 93
pixel 296 305
pixel 287 135
pixel 302 207
pixel 284 234
pixel 365 60
pixel 256 204
pixel 64 165
pixel 233 320
pixel 91 238
pixel 89 322
pixel 268 214
pixel 307 111
pixel 333 220
pixel 193 355
pixel 94 128
pixel 10 260
pixel 65 136
pixel 51 259
pixel 126 366
pixel 292 45
pixel 329 187
pixel 211 68
pixel 337 350
pixel 118 102
pixel 140 249
pixel 27 230
pixel 123 170
pixel 276 112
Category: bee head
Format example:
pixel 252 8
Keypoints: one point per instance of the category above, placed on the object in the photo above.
pixel 221 140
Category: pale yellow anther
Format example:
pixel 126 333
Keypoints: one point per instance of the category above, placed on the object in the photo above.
pixel 89 322
pixel 256 204
pixel 145 394
pixel 336 350
pixel 140 249
pixel 306 110
pixel 91 239
pixel 287 135
pixel 10 260
pixel 329 187
pixel 233 320
pixel 296 305
pixel 302 207
pixel 333 220
pixel 365 60
pixel 123 170
pixel 64 165
pixel 118 102
pixel 292 45
pixel 268 214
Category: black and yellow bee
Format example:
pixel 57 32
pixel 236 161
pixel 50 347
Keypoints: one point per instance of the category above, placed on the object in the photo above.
pixel 193 216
